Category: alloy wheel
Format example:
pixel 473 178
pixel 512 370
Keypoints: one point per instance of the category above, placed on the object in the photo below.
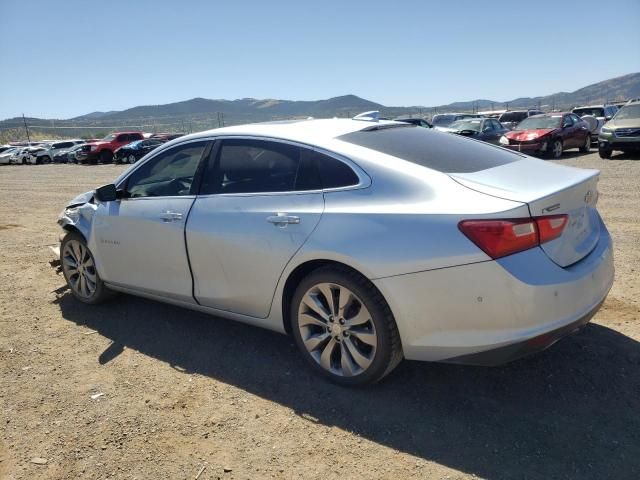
pixel 131 159
pixel 557 149
pixel 337 329
pixel 79 268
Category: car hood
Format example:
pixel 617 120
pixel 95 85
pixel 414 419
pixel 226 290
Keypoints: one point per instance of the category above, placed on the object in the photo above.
pixel 524 135
pixel 624 123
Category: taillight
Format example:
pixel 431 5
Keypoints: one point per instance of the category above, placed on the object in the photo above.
pixel 499 238
pixel 551 226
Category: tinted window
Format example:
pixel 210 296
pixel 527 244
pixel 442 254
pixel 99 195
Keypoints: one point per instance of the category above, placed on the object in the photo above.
pixel 135 136
pixel 168 174
pixel 254 166
pixel 333 172
pixel 63 145
pixel 259 166
pixel 439 151
pixel 122 138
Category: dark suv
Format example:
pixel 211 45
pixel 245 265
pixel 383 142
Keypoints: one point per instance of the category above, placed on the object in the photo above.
pixel 514 117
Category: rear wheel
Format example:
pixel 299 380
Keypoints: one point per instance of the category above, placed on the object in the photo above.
pixel 131 159
pixel 79 269
pixel 344 327
pixel 554 150
pixel 604 152
pixel 106 156
pixel 586 148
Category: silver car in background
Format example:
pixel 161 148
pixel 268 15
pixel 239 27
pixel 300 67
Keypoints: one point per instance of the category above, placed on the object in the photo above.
pixel 368 241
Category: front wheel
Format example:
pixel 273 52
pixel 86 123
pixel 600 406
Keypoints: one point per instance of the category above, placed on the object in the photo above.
pixel 106 156
pixel 554 150
pixel 79 269
pixel 131 159
pixel 586 148
pixel 344 327
pixel 605 153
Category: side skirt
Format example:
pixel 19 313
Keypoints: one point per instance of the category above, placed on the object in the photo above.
pixel 268 323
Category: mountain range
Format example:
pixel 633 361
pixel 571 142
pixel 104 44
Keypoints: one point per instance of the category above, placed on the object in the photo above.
pixel 202 113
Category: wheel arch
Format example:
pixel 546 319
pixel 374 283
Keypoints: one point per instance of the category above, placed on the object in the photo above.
pixel 296 275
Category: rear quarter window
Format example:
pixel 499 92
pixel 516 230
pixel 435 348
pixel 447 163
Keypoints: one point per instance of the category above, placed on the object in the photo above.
pixel 432 149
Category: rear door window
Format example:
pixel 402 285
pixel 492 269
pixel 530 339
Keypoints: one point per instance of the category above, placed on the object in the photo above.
pixel 432 149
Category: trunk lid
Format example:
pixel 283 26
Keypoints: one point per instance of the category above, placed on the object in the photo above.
pixel 548 189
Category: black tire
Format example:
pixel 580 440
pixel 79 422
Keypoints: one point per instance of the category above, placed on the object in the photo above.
pixel 586 148
pixel 46 159
pixel 552 149
pixel 106 156
pixel 605 153
pixel 388 352
pixel 101 292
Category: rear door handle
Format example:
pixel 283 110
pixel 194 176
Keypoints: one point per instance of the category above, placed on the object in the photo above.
pixel 168 216
pixel 282 219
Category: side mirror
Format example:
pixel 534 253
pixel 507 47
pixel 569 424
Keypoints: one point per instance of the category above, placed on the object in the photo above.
pixel 608 117
pixel 107 193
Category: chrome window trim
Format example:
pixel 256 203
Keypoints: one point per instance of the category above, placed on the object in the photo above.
pixel 364 181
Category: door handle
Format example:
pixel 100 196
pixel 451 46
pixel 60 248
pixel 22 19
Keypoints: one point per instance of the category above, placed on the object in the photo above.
pixel 282 219
pixel 168 216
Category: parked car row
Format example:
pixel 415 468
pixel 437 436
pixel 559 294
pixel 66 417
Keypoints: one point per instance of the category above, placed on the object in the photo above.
pixel 124 147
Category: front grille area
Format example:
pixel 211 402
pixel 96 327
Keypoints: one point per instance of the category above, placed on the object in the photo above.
pixel 627 132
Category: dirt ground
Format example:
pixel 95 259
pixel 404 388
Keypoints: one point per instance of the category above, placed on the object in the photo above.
pixel 138 389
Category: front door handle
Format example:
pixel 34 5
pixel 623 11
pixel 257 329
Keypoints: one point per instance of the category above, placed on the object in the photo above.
pixel 282 219
pixel 168 216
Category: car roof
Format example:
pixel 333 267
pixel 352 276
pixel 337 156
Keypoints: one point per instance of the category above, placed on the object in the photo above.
pixel 551 114
pixel 305 131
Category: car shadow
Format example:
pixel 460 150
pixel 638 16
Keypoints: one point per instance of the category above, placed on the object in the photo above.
pixel 572 411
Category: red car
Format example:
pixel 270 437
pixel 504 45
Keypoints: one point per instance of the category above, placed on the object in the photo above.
pixel 103 150
pixel 549 134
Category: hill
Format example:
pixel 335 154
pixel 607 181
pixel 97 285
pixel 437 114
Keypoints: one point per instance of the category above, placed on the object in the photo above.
pixel 201 113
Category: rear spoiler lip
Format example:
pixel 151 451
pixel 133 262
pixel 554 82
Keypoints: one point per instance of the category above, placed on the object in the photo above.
pixel 576 177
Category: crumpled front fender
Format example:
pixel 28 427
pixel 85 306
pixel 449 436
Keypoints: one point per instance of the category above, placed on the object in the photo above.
pixel 79 214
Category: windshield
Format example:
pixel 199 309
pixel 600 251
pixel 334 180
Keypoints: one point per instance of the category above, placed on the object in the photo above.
pixel 109 137
pixel 467 125
pixel 596 112
pixel 535 123
pixel 628 111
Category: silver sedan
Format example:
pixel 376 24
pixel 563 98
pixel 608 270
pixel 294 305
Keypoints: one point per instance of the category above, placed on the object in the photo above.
pixel 368 241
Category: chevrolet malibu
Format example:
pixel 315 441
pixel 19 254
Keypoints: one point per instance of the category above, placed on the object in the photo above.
pixel 368 241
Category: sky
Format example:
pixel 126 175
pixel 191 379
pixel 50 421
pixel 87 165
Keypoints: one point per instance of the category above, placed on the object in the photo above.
pixel 65 58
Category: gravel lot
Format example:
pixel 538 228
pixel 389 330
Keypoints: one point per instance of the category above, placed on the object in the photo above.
pixel 183 391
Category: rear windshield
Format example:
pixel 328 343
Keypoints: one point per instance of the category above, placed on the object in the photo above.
pixel 513 116
pixel 596 111
pixel 432 149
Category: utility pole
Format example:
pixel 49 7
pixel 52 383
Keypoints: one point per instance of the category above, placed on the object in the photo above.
pixel 27 129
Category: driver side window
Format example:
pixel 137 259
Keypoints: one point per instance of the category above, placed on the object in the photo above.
pixel 567 121
pixel 168 174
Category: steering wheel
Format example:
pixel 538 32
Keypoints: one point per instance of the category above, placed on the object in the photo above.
pixel 180 186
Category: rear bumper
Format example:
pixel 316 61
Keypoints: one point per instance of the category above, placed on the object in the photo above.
pixel 494 311
pixel 514 351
